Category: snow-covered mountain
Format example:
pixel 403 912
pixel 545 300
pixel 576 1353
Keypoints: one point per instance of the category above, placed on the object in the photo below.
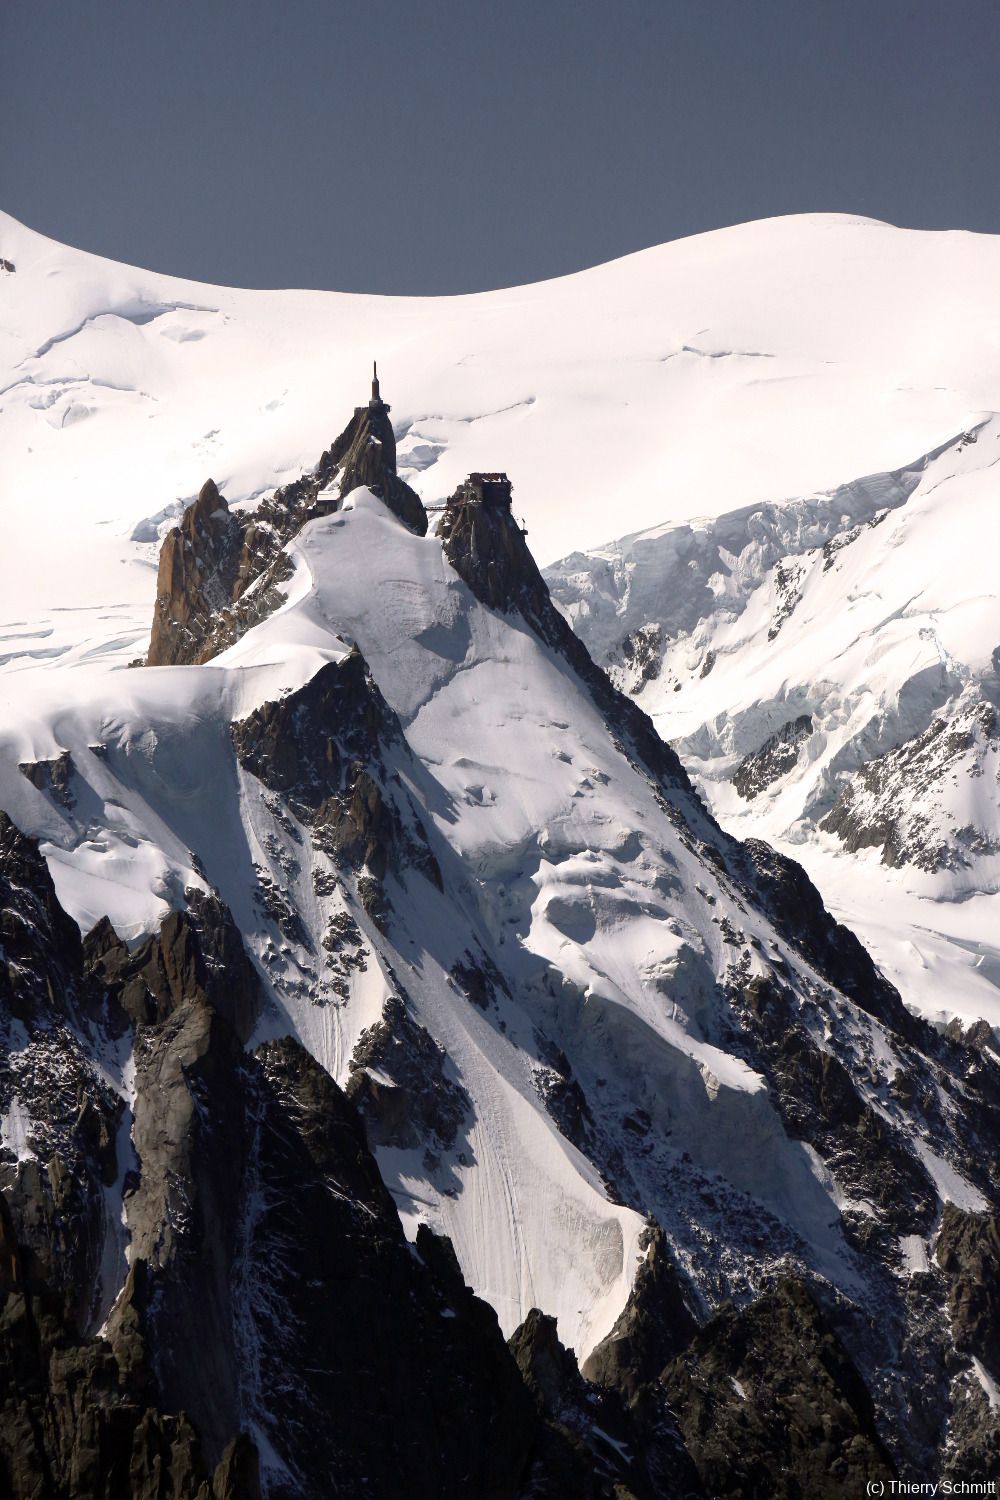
pixel 829 668
pixel 737 367
pixel 380 828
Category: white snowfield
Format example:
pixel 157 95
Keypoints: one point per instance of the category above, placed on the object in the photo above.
pixel 558 856
pixel 872 612
pixel 771 359
pixel 698 378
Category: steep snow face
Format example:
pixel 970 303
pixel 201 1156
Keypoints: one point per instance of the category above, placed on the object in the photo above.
pixel 770 359
pixel 828 668
pixel 596 1046
pixel 588 991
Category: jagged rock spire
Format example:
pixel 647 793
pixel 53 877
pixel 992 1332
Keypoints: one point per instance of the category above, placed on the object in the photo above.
pixel 365 454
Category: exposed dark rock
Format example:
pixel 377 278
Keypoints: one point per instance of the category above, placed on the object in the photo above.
pixel 184 1217
pixel 365 454
pixel 420 1104
pixel 786 587
pixel 319 747
pixel 968 1251
pixel 237 1476
pixel 775 758
pixel 486 547
pixel 796 907
pixel 41 945
pixel 972 1445
pixel 894 802
pixel 53 777
pixel 346 954
pixel 478 977
pixel 70 1428
pixel 642 654
pixel 198 570
pixel 73 1422
pixel 820 1103
pixel 326 750
pixel 593 1446
pixel 771 1407
pixel 978 1034
pixel 197 954
pixel 654 1326
pixel 70 1116
pixel 565 1100
pixel 221 573
pixel 358 1359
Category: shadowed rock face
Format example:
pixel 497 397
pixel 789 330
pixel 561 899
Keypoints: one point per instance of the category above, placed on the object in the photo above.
pixel 774 759
pixel 968 1251
pixel 365 455
pixel 771 1407
pixel 595 1446
pixel 71 1428
pixel 328 750
pixel 41 945
pixel 767 1400
pixel 796 908
pixel 400 1084
pixel 53 777
pixel 197 951
pixel 655 1325
pixel 486 547
pixel 270 1285
pixel 75 1425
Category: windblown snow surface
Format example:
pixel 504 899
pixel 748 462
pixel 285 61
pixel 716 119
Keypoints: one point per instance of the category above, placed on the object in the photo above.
pixel 577 871
pixel 699 378
pixel 829 670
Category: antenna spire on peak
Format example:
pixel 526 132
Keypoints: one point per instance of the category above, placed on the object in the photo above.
pixel 375 390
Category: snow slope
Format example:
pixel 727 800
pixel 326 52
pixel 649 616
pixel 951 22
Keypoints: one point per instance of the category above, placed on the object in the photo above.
pixel 565 870
pixel 870 618
pixel 698 378
pixel 771 359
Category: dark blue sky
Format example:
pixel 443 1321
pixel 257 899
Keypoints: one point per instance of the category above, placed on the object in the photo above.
pixel 445 146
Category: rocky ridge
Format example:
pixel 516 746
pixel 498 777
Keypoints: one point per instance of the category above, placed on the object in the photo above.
pixel 255 1207
pixel 260 1234
pixel 868 614
pixel 220 572
pixel 902 802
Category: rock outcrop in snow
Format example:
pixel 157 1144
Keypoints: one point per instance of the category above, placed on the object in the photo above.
pixel 270 1307
pixel 364 457
pixel 773 1384
pixel 604 1048
pixel 198 578
pixel 825 669
pixel 918 804
pixel 492 976
pixel 220 573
